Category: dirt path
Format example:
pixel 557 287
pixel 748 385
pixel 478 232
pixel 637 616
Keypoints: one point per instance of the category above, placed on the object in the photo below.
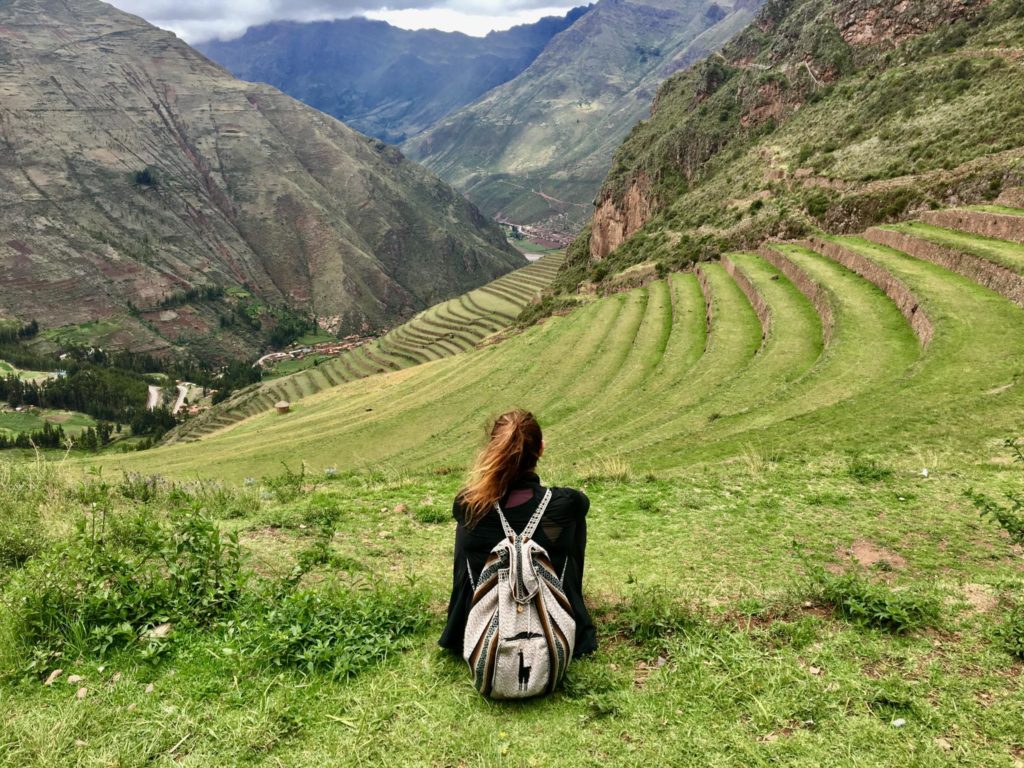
pixel 182 394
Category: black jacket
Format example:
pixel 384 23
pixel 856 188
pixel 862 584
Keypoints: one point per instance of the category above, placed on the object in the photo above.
pixel 562 532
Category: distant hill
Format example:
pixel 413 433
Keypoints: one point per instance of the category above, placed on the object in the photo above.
pixel 387 82
pixel 832 114
pixel 137 178
pixel 535 149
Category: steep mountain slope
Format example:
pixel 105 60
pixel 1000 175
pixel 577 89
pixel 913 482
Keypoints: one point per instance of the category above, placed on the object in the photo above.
pixel 535 149
pixel 824 113
pixel 132 170
pixel 386 82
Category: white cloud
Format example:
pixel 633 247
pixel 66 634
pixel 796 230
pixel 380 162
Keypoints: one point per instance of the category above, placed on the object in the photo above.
pixel 199 20
pixel 450 20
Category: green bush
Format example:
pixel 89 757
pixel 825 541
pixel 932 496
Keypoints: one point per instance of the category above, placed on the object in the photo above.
pixel 1012 631
pixel 867 470
pixel 337 631
pixel 875 604
pixel 653 613
pixel 547 306
pixel 114 580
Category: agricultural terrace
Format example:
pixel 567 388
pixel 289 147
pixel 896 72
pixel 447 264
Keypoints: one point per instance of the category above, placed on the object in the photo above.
pixel 445 329
pixel 786 454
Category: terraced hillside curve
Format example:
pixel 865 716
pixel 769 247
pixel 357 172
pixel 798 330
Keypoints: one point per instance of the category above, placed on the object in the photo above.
pixel 443 330
pixel 805 347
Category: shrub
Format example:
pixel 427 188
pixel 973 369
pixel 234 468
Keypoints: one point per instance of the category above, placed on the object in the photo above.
pixel 289 485
pixel 867 470
pixel 1011 633
pixel 546 307
pixel 115 579
pixel 148 177
pixel 875 604
pixel 337 631
pixel 653 613
pixel 430 514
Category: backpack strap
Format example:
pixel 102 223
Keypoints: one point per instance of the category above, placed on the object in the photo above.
pixel 531 526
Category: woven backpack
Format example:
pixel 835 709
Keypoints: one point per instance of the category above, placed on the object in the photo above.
pixel 521 631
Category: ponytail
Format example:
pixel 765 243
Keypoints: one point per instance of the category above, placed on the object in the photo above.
pixel 513 448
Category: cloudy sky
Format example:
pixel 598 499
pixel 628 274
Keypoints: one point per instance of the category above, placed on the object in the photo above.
pixel 199 20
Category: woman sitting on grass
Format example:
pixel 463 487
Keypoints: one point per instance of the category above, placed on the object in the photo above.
pixel 505 472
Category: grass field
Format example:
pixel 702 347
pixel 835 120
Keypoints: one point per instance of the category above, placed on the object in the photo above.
pixel 6 369
pixel 14 423
pixel 786 560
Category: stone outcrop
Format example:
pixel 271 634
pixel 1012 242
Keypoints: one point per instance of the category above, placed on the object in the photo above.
pixel 614 222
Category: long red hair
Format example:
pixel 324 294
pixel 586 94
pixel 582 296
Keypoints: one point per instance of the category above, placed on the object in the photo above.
pixel 514 446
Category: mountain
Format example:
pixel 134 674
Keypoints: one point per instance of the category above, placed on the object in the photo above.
pixel 150 199
pixel 387 82
pixel 536 149
pixel 823 114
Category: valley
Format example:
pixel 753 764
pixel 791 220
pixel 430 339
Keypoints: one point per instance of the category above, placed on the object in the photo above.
pixel 784 361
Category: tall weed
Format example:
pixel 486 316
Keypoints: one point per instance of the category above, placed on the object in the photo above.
pixel 113 580
pixel 26 489
pixel 875 604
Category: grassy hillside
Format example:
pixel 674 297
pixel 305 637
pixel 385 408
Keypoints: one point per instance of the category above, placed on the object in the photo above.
pixel 698 390
pixel 831 114
pixel 786 454
pixel 440 331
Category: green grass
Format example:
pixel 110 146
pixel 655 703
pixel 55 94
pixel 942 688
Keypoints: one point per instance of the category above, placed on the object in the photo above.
pixel 737 665
pixel 286 367
pixel 441 331
pixel 1003 252
pixel 783 561
pixel 32 420
pixel 84 333
pixel 6 369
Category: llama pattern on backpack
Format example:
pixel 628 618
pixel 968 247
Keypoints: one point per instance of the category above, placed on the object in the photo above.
pixel 524 674
pixel 520 632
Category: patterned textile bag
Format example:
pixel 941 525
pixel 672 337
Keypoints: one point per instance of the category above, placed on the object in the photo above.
pixel 521 631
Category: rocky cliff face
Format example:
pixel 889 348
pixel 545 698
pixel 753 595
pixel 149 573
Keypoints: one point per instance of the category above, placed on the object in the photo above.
pixel 792 54
pixel 133 169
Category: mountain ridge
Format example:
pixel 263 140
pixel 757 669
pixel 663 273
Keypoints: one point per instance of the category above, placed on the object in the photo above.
pixel 822 114
pixel 164 174
pixel 535 149
pixel 384 81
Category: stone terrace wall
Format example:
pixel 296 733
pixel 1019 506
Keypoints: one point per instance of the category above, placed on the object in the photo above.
pixel 993 276
pixel 1012 198
pixel 984 223
pixel 816 293
pixel 757 301
pixel 891 285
